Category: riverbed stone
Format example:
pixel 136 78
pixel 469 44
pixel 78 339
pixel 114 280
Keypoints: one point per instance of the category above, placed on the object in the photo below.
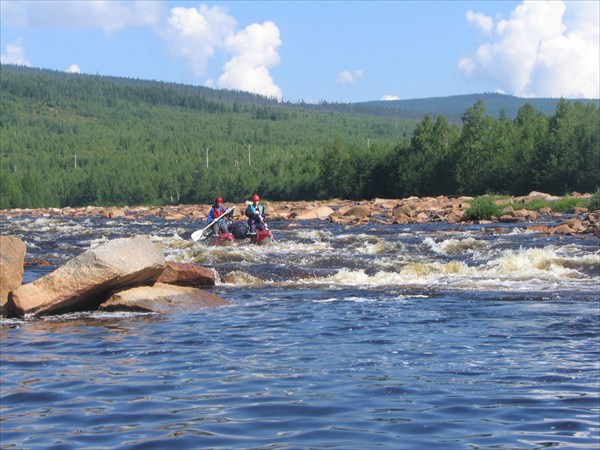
pixel 88 279
pixel 12 261
pixel 162 298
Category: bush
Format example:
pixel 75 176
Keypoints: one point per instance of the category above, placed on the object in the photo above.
pixel 482 208
pixel 565 204
pixel 593 203
pixel 562 205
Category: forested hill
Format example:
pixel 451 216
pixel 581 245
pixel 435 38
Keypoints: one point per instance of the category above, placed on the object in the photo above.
pixel 72 140
pixel 451 107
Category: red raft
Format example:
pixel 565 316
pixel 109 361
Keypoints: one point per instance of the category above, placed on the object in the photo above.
pixel 262 237
pixel 223 239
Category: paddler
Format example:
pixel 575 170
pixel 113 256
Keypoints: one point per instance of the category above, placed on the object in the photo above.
pixel 218 210
pixel 256 215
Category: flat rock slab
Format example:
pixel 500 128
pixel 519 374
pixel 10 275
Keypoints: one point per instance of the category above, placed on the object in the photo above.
pixel 162 298
pixel 90 278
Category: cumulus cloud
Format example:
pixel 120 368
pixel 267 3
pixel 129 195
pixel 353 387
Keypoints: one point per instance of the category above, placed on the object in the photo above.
pixel 107 15
pixel 254 50
pixel 347 78
pixel 73 68
pixel 390 98
pixel 481 21
pixel 15 54
pixel 545 49
pixel 198 35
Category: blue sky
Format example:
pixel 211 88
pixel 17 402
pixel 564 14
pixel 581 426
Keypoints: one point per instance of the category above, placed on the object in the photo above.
pixel 312 51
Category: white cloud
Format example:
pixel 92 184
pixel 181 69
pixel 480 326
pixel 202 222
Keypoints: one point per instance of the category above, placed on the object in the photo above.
pixel 73 68
pixel 15 54
pixel 107 15
pixel 481 21
pixel 347 78
pixel 199 35
pixel 196 34
pixel 255 50
pixel 390 97
pixel 545 49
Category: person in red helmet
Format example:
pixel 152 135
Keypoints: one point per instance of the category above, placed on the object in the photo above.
pixel 218 210
pixel 256 215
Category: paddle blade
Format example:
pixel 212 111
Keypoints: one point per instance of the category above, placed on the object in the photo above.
pixel 197 235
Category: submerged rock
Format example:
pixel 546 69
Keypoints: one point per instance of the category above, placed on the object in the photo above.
pixel 88 279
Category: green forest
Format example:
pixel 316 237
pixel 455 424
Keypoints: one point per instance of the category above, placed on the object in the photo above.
pixel 76 140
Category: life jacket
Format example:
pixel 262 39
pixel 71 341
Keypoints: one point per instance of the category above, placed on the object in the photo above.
pixel 216 212
pixel 251 210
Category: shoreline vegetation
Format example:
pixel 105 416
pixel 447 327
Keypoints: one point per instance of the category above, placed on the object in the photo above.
pixel 571 214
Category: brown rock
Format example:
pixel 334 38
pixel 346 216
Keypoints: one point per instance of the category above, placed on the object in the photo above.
pixel 182 274
pixel 560 229
pixel 174 217
pixel 538 228
pixel 358 211
pixel 508 218
pixel 322 212
pixel 88 279
pixel 454 216
pixel 401 218
pixel 421 217
pixel 12 262
pixel 162 298
pixel 527 214
pixel 576 225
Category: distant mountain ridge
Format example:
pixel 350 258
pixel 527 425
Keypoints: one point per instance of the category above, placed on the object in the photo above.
pixel 455 106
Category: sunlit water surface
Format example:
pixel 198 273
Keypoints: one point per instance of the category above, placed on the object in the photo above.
pixel 391 337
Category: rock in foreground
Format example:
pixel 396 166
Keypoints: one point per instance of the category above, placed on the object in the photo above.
pixel 89 279
pixel 12 258
pixel 190 275
pixel 162 298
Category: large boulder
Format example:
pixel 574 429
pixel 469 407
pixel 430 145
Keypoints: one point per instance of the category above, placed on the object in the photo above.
pixel 162 298
pixel 88 279
pixel 12 260
pixel 191 275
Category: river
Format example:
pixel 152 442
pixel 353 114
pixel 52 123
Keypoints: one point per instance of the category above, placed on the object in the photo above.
pixel 377 336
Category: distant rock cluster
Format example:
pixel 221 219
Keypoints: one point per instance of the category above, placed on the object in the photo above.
pixel 346 212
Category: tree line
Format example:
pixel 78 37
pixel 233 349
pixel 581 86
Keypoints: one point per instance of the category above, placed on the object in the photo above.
pixel 69 140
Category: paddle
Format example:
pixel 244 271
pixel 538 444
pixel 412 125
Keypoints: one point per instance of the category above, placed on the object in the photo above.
pixel 196 235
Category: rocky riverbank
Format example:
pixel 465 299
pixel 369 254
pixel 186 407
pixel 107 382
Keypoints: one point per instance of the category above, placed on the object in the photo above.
pixel 347 212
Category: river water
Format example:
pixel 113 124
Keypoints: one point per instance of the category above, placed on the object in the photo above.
pixel 390 337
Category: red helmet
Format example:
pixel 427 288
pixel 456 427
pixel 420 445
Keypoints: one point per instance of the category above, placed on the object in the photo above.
pixel 219 200
pixel 255 198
